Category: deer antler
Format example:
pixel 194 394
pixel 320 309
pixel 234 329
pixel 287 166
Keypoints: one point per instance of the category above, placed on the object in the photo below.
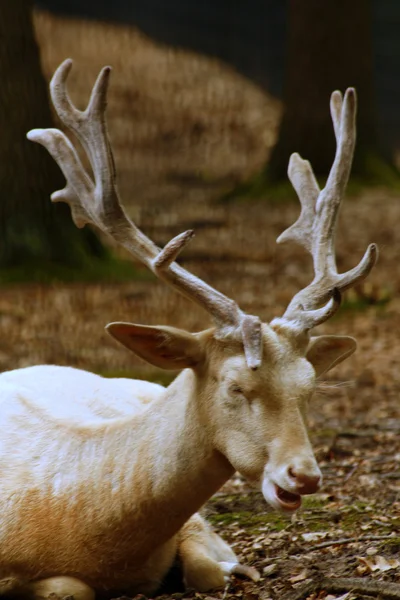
pixel 98 203
pixel 315 228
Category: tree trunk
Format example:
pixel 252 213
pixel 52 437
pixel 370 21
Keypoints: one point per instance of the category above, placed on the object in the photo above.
pixel 33 230
pixel 329 48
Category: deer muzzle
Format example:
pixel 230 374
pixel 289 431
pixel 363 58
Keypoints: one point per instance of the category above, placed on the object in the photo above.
pixel 283 488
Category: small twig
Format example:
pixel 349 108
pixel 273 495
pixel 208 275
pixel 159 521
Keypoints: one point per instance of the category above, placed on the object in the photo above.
pixel 351 472
pixel 358 585
pixel 356 433
pixel 330 516
pixel 364 538
pixel 380 523
pixel 226 588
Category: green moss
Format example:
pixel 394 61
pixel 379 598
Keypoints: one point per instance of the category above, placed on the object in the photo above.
pixel 315 525
pixel 314 502
pixel 277 521
pixel 395 523
pixel 260 186
pixel 353 516
pixel 226 518
pixel 378 172
pixel 251 521
pixel 110 270
pixel 324 433
pixel 361 304
pixel 358 506
pixel 364 296
pixel 390 546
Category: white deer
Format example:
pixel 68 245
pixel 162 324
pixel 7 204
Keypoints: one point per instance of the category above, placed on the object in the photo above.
pixel 101 480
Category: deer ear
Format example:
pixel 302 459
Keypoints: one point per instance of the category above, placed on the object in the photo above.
pixel 164 347
pixel 326 351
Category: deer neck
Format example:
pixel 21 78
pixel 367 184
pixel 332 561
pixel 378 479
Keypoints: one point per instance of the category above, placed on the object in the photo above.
pixel 169 467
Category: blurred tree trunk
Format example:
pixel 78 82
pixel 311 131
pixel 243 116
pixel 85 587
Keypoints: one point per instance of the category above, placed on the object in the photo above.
pixel 329 48
pixel 33 230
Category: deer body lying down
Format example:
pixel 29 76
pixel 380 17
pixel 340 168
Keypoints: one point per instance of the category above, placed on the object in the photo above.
pixel 106 479
pixel 101 480
pixel 90 470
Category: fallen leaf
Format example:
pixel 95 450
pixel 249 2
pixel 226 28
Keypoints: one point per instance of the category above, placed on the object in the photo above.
pixel 382 518
pixel 300 577
pixel 368 480
pixel 313 537
pixel 379 563
pixel 257 546
pixel 270 569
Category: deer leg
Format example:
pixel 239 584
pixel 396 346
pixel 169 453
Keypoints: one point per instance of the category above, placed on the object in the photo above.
pixel 207 560
pixel 56 587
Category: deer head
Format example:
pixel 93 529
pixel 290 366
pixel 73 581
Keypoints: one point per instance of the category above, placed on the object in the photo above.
pixel 249 381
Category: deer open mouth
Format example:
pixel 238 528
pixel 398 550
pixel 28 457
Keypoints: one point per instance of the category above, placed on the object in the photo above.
pixel 287 500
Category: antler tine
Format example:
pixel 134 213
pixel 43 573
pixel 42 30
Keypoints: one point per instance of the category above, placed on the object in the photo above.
pixel 98 203
pixel 79 184
pixel 336 104
pixel 315 227
pixel 90 128
pixel 303 180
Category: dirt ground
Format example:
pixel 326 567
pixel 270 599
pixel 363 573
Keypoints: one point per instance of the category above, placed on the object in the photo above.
pixel 346 539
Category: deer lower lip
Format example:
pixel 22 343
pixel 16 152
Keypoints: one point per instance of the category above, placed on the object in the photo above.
pixel 287 500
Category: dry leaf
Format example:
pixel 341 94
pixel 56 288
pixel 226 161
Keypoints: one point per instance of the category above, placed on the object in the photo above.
pixel 257 546
pixel 270 569
pixel 379 563
pixel 313 537
pixel 300 577
pixel 368 480
pixel 382 518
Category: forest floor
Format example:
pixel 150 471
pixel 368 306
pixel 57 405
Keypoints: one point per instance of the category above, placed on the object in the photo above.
pixel 346 539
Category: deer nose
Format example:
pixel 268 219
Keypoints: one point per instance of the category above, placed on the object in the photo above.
pixel 305 483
